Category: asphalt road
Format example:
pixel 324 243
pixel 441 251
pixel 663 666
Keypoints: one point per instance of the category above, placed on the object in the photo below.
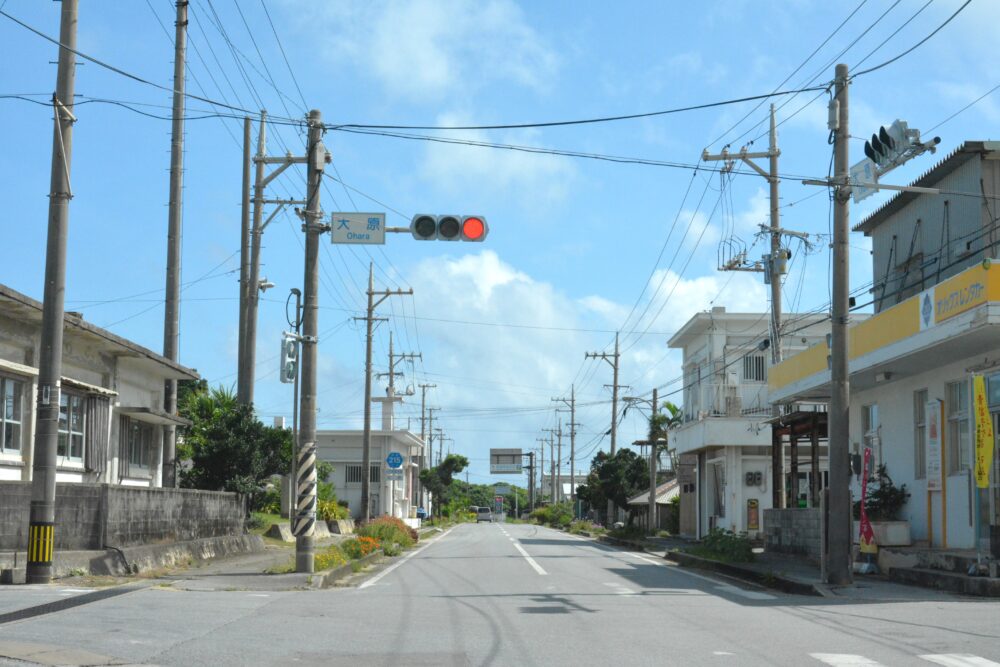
pixel 493 594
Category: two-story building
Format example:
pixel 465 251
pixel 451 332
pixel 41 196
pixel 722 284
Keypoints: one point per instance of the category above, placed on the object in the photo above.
pixel 723 446
pixel 936 299
pixel 111 413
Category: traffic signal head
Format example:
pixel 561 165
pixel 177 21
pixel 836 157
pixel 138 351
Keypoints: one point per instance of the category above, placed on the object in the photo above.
pixel 424 227
pixel 289 358
pixel 890 144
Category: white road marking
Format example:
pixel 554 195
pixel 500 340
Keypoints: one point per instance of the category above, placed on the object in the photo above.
pixel 722 653
pixel 259 595
pixel 840 659
pixel 75 590
pixel 371 582
pixel 531 561
pixel 959 660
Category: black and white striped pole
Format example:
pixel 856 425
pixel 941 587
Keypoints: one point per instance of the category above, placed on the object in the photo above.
pixel 304 525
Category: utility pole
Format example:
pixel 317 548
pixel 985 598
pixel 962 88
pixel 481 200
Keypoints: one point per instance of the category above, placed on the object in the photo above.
pixel 773 269
pixel 572 442
pixel 430 433
pixel 366 443
pixel 838 567
pixel 171 313
pixel 296 327
pixel 531 481
pixel 541 468
pixel 241 374
pixel 613 360
pixel 559 460
pixel 41 526
pixel 425 462
pixel 245 383
pixel 556 491
pixel 395 359
pixel 305 518
pixel 652 470
pixel 250 249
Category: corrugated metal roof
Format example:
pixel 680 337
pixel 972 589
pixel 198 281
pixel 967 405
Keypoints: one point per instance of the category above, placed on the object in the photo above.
pixel 950 163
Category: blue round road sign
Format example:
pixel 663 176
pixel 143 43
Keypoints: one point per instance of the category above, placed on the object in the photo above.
pixel 395 460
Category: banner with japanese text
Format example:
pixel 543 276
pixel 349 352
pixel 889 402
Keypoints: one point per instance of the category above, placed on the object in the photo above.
pixel 867 536
pixel 984 433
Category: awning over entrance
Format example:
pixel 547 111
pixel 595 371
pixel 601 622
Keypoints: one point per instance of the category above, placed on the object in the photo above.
pixel 151 416
pixel 802 423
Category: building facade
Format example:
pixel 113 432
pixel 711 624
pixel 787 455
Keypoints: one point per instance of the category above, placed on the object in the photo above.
pixel 111 400
pixel 936 297
pixel 723 446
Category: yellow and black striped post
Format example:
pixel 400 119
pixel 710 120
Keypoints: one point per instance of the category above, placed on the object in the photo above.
pixel 41 543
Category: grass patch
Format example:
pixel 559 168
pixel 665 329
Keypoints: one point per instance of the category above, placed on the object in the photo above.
pixel 259 522
pixel 724 546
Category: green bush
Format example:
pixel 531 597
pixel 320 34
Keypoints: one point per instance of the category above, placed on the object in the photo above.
pixel 725 545
pixel 255 521
pixel 577 527
pixel 559 515
pixel 391 549
pixel 359 547
pixel 268 501
pixel 629 533
pixel 330 510
pixel 389 530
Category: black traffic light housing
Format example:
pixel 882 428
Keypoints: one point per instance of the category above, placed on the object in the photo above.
pixel 426 227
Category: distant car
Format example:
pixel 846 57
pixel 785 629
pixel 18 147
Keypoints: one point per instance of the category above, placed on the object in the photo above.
pixel 421 513
pixel 484 514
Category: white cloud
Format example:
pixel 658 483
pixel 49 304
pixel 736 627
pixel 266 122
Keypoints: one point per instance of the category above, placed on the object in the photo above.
pixel 421 49
pixel 460 168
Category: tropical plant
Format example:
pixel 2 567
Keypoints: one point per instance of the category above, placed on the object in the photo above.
pixel 885 500
pixel 389 530
pixel 438 479
pixel 359 547
pixel 228 448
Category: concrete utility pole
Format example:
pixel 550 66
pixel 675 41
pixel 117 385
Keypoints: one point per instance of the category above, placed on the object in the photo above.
pixel 652 469
pixel 250 249
pixel 42 518
pixel 425 460
pixel 305 518
pixel 241 374
pixel 171 312
pixel 572 441
pixel 555 462
pixel 395 359
pixel 838 567
pixel 612 359
pixel 430 433
pixel 245 380
pixel 541 468
pixel 296 327
pixel 772 268
pixel 531 481
pixel 366 441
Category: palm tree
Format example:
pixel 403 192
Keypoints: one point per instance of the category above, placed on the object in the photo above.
pixel 660 425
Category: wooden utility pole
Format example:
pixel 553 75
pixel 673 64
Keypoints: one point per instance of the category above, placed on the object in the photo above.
pixel 613 360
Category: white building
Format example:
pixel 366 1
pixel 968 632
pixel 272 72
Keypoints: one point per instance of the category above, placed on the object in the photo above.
pixel 936 297
pixel 111 400
pixel 387 496
pixel 724 443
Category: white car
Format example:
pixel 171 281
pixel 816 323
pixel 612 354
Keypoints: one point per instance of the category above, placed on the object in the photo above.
pixel 484 514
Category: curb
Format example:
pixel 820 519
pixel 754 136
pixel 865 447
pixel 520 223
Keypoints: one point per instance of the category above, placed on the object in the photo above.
pixel 330 578
pixel 768 580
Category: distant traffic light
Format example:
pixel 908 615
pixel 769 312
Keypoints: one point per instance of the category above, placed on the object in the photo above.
pixel 424 227
pixel 289 357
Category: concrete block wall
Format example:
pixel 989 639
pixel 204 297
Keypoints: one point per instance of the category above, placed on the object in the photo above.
pixel 88 516
pixel 793 531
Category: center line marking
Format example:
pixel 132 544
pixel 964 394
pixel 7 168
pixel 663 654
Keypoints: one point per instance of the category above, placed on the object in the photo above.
pixel 531 561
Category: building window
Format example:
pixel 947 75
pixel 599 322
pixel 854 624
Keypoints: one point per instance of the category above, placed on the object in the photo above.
pixel 957 438
pixel 920 433
pixel 10 416
pixel 754 368
pixel 375 474
pixel 869 423
pixel 353 473
pixel 140 444
pixel 70 426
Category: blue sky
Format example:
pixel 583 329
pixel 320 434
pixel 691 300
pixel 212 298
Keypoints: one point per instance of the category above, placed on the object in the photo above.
pixel 573 243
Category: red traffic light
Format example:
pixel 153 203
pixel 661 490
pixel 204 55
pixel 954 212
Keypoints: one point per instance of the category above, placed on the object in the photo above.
pixel 473 229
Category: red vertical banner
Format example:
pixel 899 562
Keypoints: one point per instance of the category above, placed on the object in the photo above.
pixel 867 535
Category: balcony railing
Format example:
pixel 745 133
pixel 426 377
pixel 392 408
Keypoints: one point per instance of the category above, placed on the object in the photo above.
pixel 711 399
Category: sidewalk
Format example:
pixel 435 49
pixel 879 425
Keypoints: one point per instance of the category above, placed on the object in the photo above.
pixel 786 573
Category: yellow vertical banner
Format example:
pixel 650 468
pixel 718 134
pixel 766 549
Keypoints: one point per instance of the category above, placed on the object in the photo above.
pixel 984 433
